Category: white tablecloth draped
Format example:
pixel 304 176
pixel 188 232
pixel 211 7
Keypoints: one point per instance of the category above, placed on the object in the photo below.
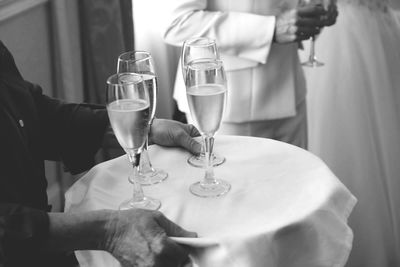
pixel 285 207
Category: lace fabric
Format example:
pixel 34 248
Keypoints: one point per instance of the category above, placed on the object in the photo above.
pixel 355 98
pixel 381 5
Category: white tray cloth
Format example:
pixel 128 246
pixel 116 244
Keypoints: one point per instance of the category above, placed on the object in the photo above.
pixel 285 207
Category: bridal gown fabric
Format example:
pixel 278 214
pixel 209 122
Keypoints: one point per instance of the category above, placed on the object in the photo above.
pixel 354 122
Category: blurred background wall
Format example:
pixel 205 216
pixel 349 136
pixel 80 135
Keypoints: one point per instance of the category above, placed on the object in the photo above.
pixel 148 26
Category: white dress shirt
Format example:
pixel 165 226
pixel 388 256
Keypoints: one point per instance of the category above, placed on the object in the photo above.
pixel 265 79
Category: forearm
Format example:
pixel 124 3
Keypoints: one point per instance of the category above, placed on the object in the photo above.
pixel 72 132
pixel 77 231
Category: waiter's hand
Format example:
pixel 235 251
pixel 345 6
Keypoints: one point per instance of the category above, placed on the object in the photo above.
pixel 174 133
pixel 140 238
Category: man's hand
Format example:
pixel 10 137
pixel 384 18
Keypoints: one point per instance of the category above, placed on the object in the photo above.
pixel 136 238
pixel 299 24
pixel 140 238
pixel 332 13
pixel 173 133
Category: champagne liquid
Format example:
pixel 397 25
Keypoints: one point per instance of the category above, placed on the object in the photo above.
pixel 206 104
pixel 150 81
pixel 129 119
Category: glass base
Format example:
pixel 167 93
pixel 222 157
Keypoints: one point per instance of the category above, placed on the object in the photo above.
pixel 199 161
pixel 148 203
pixel 313 63
pixel 152 177
pixel 219 188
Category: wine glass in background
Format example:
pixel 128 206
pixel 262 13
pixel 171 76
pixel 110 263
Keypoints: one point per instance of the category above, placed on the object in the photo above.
pixel 312 58
pixel 141 62
pixel 128 107
pixel 206 92
pixel 198 48
pixel 194 49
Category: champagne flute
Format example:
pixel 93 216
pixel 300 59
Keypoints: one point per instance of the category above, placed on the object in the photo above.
pixel 128 107
pixel 206 93
pixel 312 58
pixel 198 48
pixel 141 62
pixel 193 49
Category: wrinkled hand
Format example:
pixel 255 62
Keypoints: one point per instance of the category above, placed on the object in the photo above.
pixel 140 238
pixel 174 133
pixel 299 24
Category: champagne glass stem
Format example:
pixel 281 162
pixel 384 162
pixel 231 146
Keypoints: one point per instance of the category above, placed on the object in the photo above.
pixel 203 148
pixel 138 194
pixel 209 177
pixel 312 49
pixel 145 163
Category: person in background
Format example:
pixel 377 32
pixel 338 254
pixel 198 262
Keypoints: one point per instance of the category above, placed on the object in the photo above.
pixel 354 122
pixel 395 4
pixel 34 128
pixel 258 42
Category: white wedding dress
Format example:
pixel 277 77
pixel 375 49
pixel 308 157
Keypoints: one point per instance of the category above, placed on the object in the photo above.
pixel 354 122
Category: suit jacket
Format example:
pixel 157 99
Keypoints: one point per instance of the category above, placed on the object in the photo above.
pixel 265 79
pixel 34 128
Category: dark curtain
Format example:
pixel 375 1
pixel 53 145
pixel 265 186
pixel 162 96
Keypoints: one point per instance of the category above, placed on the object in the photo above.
pixel 106 32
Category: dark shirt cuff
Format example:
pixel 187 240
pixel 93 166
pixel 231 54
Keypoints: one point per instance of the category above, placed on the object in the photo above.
pixel 23 231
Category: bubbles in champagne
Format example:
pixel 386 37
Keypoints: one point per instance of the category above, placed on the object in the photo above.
pixel 129 119
pixel 206 103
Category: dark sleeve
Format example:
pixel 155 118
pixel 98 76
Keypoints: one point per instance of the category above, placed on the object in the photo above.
pixel 74 132
pixel 22 230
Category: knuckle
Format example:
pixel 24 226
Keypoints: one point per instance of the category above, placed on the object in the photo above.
pixel 181 135
pixel 157 214
pixel 159 244
pixel 171 135
pixel 192 143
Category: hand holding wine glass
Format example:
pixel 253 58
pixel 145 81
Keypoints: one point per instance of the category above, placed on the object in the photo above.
pixel 128 107
pixel 171 133
pixel 312 58
pixel 206 91
pixel 298 24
